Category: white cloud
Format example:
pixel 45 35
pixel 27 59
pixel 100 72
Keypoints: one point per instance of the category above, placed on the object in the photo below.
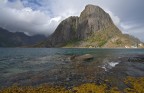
pixel 133 29
pixel 26 20
pixel 137 32
pixel 128 26
pixel 56 19
pixel 115 18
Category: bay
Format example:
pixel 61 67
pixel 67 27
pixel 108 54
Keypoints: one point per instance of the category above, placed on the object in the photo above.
pixel 35 66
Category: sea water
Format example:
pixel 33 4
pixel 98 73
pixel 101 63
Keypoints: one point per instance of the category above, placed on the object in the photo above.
pixel 34 66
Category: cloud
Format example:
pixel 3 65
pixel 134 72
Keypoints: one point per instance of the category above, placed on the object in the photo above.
pixel 127 26
pixel 18 18
pixel 14 4
pixel 115 18
pixel 136 30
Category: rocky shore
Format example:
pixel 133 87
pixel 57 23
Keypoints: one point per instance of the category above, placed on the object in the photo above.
pixel 80 69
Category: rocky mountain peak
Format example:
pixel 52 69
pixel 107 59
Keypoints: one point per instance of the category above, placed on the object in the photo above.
pixel 94 27
pixel 93 19
pixel 93 11
pixel 90 9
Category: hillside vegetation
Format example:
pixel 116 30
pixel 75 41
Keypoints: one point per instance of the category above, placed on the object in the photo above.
pixel 107 38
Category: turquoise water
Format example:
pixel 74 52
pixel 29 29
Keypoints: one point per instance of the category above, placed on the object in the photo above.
pixel 34 66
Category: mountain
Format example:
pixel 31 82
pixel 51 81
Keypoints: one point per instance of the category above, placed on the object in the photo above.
pixel 94 28
pixel 17 39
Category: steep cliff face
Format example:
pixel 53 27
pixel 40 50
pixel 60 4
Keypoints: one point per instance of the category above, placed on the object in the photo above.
pixel 91 20
pixel 93 28
pixel 65 31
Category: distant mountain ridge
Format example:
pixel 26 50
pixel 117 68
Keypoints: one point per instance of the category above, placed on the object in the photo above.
pixel 94 28
pixel 18 39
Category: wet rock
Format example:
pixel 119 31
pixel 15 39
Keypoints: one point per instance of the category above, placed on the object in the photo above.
pixel 132 58
pixel 136 59
pixel 84 57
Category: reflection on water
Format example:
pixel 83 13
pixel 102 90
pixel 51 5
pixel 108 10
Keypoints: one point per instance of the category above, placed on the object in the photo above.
pixel 54 66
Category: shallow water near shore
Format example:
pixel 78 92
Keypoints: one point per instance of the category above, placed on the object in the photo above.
pixel 35 66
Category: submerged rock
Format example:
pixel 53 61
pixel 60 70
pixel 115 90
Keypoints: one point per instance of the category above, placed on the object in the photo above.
pixel 84 57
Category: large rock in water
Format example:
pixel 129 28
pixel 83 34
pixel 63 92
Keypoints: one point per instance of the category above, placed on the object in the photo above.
pixel 93 28
pixel 84 57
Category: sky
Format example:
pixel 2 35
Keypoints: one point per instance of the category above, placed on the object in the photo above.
pixel 43 16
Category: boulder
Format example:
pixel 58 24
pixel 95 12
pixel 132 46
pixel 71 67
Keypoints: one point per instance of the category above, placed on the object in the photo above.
pixel 84 57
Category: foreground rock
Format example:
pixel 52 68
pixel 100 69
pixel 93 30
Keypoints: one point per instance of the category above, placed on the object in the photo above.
pixel 139 58
pixel 133 58
pixel 84 57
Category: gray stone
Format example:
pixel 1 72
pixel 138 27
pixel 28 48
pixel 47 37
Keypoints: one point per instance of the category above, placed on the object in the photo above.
pixel 92 19
pixel 84 57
